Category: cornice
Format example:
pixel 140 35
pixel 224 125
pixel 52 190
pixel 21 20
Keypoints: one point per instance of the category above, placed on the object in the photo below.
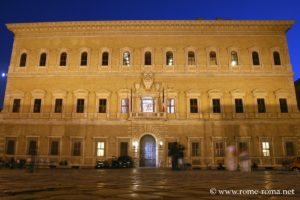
pixel 152 26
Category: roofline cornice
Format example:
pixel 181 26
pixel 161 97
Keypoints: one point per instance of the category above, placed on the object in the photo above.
pixel 272 26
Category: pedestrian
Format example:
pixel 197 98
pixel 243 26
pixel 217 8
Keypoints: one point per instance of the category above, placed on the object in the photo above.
pixel 231 160
pixel 245 162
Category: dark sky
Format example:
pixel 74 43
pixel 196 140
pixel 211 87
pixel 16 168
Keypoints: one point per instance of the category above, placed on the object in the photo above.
pixel 68 10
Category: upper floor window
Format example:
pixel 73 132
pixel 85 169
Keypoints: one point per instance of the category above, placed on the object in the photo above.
pixel 58 105
pixel 126 58
pixel 261 107
pixel 276 57
pixel 102 105
pixel 171 105
pixel 84 59
pixel 125 105
pixel 37 105
pixel 193 105
pixel 148 58
pixel 23 59
pixel 16 105
pixel 239 108
pixel 283 105
pixel 63 59
pixel 169 58
pixel 105 57
pixel 216 105
pixel 255 58
pixel 80 106
pixel 191 58
pixel 234 58
pixel 43 59
pixel 213 58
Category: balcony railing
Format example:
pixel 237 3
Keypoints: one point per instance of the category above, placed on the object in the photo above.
pixel 154 115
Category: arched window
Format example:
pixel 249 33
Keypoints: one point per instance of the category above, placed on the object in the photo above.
pixel 63 59
pixel 213 58
pixel 84 59
pixel 169 58
pixel 191 58
pixel 234 58
pixel 43 59
pixel 23 59
pixel 276 57
pixel 148 58
pixel 126 58
pixel 255 58
pixel 105 57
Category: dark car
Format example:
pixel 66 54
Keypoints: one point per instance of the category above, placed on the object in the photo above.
pixel 125 162
pixel 102 164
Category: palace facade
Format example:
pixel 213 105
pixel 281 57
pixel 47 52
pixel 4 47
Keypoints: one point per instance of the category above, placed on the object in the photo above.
pixel 86 91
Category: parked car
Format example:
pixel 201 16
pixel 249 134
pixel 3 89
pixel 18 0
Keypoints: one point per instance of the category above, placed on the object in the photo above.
pixel 125 162
pixel 102 164
pixel 295 165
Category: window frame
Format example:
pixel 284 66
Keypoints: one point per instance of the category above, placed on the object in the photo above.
pixel 261 108
pixel 171 104
pixel 43 59
pixel 51 141
pixel 195 106
pixel 23 61
pixel 277 61
pixel 60 59
pixel 7 142
pixel 84 62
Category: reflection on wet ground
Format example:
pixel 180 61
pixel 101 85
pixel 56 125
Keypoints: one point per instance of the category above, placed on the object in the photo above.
pixel 140 184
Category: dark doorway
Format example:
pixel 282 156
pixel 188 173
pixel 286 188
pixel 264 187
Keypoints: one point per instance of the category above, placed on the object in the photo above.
pixel 147 151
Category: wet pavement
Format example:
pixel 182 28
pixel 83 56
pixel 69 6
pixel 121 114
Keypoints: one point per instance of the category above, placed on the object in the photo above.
pixel 145 184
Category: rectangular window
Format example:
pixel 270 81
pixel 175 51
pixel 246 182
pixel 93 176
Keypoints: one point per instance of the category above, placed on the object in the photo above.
pixel 125 105
pixel 58 105
pixel 10 146
pixel 76 148
pixel 195 149
pixel 219 149
pixel 80 106
pixel 216 105
pixel 102 105
pixel 193 105
pixel 100 148
pixel 54 147
pixel 16 105
pixel 171 105
pixel 266 149
pixel 283 105
pixel 239 108
pixel 37 105
pixel 261 107
pixel 123 148
pixel 289 148
pixel 32 147
pixel 243 146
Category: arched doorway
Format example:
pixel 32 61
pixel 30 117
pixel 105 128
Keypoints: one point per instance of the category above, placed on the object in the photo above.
pixel 147 151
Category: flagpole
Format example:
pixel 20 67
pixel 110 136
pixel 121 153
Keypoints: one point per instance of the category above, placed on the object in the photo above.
pixel 131 100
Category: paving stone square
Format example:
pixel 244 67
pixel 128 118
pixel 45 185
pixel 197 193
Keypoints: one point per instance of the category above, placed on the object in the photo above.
pixel 143 183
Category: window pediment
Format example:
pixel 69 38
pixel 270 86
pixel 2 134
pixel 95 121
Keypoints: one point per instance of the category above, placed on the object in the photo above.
pixel 38 93
pixel 17 93
pixel 260 92
pixel 215 93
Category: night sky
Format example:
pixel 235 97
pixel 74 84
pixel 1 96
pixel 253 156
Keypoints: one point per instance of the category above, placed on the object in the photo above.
pixel 12 11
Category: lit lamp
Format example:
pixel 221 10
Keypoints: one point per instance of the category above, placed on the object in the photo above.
pixel 135 144
pixel 161 144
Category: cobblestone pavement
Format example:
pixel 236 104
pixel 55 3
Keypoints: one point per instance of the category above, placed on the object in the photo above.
pixel 142 184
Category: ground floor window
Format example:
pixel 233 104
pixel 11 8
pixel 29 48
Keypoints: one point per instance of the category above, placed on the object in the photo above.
pixel 195 150
pixel 123 148
pixel 100 147
pixel 76 148
pixel 10 146
pixel 219 149
pixel 32 147
pixel 266 149
pixel 54 147
pixel 289 148
pixel 243 146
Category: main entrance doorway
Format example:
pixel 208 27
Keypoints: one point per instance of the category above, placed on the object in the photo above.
pixel 147 151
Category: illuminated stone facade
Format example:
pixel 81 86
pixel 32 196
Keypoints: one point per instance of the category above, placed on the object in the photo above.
pixel 84 91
